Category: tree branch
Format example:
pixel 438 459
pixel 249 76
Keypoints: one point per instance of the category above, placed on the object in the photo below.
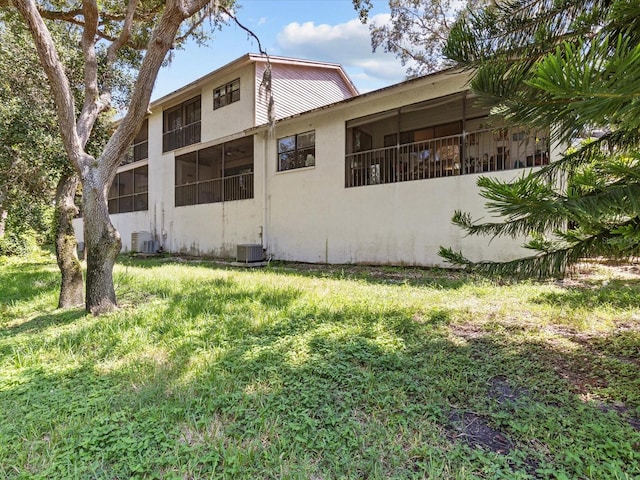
pixel 61 90
pixel 161 41
pixel 93 104
pixel 237 22
pixel 125 34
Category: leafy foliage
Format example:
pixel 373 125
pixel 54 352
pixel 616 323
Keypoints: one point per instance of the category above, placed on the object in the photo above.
pixel 31 153
pixel 416 32
pixel 32 157
pixel 574 65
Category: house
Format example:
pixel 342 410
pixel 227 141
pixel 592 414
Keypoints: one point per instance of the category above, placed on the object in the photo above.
pixel 339 178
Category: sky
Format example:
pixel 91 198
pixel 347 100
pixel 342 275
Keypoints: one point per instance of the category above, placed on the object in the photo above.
pixel 325 30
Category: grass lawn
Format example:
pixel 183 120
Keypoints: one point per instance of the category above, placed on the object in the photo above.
pixel 307 372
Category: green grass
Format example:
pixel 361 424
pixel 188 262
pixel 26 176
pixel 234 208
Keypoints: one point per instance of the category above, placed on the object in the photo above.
pixel 304 372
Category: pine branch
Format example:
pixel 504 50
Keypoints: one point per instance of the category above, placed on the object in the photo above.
pixel 551 263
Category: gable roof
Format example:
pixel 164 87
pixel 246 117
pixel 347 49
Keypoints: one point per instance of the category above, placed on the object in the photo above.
pixel 461 76
pixel 252 58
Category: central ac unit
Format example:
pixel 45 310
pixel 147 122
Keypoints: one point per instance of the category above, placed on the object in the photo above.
pixel 249 253
pixel 138 239
pixel 150 246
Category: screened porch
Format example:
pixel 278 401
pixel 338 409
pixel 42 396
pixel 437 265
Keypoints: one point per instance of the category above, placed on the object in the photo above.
pixel 441 138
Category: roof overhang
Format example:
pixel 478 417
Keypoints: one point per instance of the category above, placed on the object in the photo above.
pixel 431 79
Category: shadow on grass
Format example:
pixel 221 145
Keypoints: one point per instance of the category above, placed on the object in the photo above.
pixel 24 282
pixel 383 275
pixel 617 294
pixel 238 382
pixel 222 296
pixel 42 322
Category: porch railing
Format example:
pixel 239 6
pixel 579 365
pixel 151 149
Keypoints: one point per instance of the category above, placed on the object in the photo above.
pixel 475 152
pixel 236 187
pixel 180 137
pixel 137 152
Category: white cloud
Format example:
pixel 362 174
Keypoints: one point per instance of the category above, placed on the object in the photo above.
pixel 346 43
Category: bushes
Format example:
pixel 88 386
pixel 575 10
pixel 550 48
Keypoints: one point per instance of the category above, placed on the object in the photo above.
pixel 27 227
pixel 19 244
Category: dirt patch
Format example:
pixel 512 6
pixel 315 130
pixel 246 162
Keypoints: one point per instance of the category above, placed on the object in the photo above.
pixel 468 331
pixel 476 432
pixel 624 412
pixel 504 394
pixel 602 269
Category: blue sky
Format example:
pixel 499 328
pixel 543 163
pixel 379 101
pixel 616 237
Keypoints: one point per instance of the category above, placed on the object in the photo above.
pixel 327 30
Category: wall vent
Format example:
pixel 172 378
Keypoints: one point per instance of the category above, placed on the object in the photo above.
pixel 249 253
pixel 138 239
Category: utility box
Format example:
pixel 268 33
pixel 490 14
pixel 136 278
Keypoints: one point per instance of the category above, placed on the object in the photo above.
pixel 81 251
pixel 138 239
pixel 150 246
pixel 249 253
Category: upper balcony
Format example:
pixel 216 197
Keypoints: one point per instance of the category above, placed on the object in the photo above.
pixel 137 152
pixel 181 125
pixel 474 152
pixel 181 136
pixel 431 140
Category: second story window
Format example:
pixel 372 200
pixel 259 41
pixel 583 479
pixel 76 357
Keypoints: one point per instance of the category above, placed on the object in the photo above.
pixel 129 191
pixel 226 94
pixel 181 125
pixel 140 147
pixel 297 151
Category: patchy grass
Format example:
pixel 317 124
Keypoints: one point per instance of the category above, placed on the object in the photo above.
pixel 307 372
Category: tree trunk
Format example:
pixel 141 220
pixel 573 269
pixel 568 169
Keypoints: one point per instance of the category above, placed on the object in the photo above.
pixel 3 220
pixel 102 244
pixel 3 213
pixel 71 286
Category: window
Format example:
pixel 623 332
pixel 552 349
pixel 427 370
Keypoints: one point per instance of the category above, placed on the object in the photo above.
pixel 129 191
pixel 181 125
pixel 297 151
pixel 140 147
pixel 215 174
pixel 226 94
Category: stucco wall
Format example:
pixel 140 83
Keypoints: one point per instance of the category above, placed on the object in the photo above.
pixel 231 118
pixel 307 214
pixel 312 217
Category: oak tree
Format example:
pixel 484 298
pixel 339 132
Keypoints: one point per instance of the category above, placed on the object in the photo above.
pixel 139 34
pixel 32 159
pixel 417 31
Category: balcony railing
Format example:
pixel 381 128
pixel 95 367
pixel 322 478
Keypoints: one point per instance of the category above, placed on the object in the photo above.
pixel 475 152
pixel 236 187
pixel 137 152
pixel 180 137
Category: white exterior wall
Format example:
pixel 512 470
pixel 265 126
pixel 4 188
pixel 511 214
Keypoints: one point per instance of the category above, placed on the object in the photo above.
pixel 299 88
pixel 312 217
pixel 213 228
pixel 307 214
pixel 234 117
pixel 208 229
pixel 315 219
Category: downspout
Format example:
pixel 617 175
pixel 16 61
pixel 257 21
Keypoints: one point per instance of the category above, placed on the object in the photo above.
pixel 265 212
